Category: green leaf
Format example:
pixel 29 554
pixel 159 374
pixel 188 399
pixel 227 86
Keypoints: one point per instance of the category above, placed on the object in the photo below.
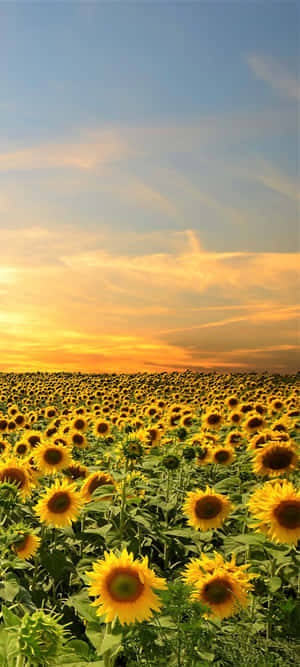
pixel 275 584
pixel 55 562
pixel 95 634
pixel 247 539
pixel 81 648
pixel 103 530
pixel 8 647
pixel 10 619
pixel 9 589
pixel 110 642
pixel 82 605
pixel 184 532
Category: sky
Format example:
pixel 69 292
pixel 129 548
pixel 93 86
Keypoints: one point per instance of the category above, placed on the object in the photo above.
pixel 149 186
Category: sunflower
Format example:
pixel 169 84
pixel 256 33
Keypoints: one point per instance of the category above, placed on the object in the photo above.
pixel 51 458
pixel 50 412
pixel 78 439
pixel 101 428
pixel 60 505
pixel 173 419
pixel 235 417
pixel 277 458
pixel 151 436
pixel 206 509
pixel 151 411
pixel 260 439
pixel 213 419
pixel 76 471
pixel 20 420
pixel 280 426
pixel 3 425
pixel 189 453
pixel 171 462
pixel 27 545
pixel 221 585
pixel 95 481
pixel 232 401
pixel 198 567
pixel 254 423
pixel 187 420
pixel 18 473
pixel 133 448
pixel 79 424
pixel 123 588
pixel 234 439
pixel 4 447
pixel 222 592
pixel 22 448
pixel 203 455
pixel 222 455
pixel 34 438
pixel 277 506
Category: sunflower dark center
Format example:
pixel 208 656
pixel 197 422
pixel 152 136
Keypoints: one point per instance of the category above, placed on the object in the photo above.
pixel 217 591
pixel 79 424
pixel 75 472
pixel 222 456
pixel 208 507
pixel 15 476
pixel 102 428
pixel 77 439
pixel 124 585
pixel 34 439
pixel 19 419
pixel 260 441
pixel 278 458
pixel 23 543
pixel 59 502
pixel 21 449
pixel 288 514
pixel 53 456
pixel 96 483
pixel 255 422
pixel 213 419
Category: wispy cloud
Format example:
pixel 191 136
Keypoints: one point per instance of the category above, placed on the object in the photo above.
pixel 275 75
pixel 83 153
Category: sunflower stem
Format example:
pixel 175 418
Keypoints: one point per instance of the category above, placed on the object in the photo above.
pixel 268 624
pixel 82 521
pixel 123 501
pixel 20 661
pixel 166 560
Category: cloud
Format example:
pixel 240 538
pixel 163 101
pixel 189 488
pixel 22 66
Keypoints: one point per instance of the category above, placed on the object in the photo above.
pixel 273 73
pixel 85 153
pixel 96 308
pixel 195 270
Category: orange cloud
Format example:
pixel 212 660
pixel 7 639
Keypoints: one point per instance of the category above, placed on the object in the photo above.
pixel 108 311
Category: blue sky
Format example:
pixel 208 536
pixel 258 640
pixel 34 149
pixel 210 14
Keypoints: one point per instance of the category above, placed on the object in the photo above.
pixel 159 130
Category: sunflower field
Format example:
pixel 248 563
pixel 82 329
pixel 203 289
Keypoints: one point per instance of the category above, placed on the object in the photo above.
pixel 149 520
